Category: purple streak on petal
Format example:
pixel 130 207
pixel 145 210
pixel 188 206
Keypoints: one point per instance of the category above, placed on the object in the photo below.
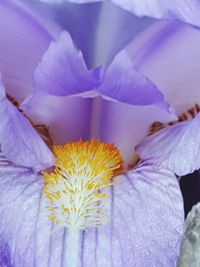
pixel 176 147
pixel 185 10
pixel 122 82
pixel 63 72
pixel 24 37
pixel 67 117
pixel 20 143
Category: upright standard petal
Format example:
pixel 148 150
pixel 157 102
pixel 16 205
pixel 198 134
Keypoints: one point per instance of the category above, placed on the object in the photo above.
pixel 24 38
pixel 20 143
pixel 190 247
pixel 144 228
pixel 62 70
pixel 185 10
pixel 122 82
pixel 168 54
pixel 176 147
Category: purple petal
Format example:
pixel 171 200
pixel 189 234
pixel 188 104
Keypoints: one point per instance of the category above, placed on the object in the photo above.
pixel 63 72
pixel 127 126
pixel 73 1
pixel 125 84
pixel 68 118
pixel 24 38
pixel 145 227
pixel 168 54
pixel 185 10
pixel 20 143
pixel 176 147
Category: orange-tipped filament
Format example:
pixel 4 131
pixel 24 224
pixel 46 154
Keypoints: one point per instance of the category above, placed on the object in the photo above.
pixel 77 188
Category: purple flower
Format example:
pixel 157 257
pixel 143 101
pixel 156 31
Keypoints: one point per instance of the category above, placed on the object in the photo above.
pixel 144 207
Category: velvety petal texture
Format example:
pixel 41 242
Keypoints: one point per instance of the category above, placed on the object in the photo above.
pixel 176 147
pixel 62 70
pixel 20 143
pixel 190 247
pixel 144 227
pixel 122 82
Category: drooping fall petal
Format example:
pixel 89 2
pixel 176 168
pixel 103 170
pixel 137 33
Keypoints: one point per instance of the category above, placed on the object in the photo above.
pixel 20 143
pixel 145 225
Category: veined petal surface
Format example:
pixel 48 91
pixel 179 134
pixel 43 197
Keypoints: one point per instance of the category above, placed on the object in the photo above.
pixel 145 227
pixel 19 141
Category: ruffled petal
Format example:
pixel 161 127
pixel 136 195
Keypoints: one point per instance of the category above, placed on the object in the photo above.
pixel 190 247
pixel 125 84
pixel 144 229
pixel 20 143
pixel 185 10
pixel 62 70
pixel 176 147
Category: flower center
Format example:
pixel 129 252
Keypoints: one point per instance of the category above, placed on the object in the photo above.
pixel 77 188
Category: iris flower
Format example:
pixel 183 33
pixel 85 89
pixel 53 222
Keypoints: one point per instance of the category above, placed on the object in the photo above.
pixel 131 217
